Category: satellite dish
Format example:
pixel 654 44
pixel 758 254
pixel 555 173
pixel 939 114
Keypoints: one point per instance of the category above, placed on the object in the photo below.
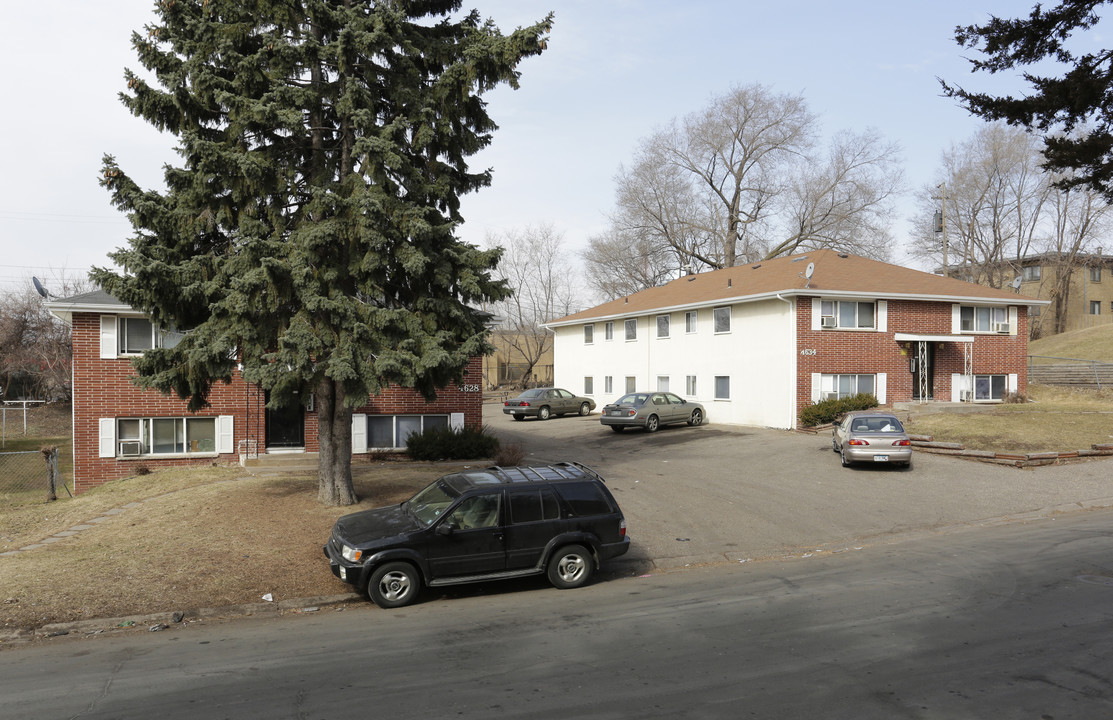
pixel 39 287
pixel 811 269
pixel 1016 284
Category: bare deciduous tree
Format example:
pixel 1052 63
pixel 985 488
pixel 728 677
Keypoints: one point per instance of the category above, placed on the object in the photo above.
pixel 1079 214
pixel 621 262
pixel 535 265
pixel 1001 208
pixel 742 180
pixel 36 347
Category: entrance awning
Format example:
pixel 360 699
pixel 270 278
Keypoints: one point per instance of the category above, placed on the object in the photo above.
pixel 913 337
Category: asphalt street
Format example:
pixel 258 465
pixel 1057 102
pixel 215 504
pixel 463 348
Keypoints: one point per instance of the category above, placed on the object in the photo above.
pixel 1001 622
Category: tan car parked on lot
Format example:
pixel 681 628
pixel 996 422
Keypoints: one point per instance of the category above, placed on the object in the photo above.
pixel 871 436
pixel 543 403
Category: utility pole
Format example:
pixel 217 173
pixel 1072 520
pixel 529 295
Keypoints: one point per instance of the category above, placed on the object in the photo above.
pixel 941 221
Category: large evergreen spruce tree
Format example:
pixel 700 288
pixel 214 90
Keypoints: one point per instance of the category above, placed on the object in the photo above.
pixel 309 234
pixel 1074 111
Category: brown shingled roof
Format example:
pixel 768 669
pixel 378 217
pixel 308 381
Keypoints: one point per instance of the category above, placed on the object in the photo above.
pixel 836 274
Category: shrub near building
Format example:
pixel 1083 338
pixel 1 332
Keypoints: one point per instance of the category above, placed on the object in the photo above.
pixel 827 411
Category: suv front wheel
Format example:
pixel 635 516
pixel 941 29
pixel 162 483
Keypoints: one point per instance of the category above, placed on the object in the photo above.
pixel 394 585
pixel 571 567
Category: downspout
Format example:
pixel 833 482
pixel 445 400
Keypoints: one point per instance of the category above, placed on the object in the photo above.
pixel 794 368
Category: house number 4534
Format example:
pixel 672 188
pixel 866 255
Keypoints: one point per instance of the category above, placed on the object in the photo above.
pixel 808 351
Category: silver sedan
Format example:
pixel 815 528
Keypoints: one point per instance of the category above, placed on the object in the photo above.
pixel 871 436
pixel 650 410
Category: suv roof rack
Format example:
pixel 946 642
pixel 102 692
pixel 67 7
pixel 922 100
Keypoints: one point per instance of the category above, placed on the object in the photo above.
pixel 544 473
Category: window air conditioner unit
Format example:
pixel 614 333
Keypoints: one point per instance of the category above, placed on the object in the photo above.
pixel 966 395
pixel 130 448
pixel 1001 327
pixel 830 395
pixel 828 321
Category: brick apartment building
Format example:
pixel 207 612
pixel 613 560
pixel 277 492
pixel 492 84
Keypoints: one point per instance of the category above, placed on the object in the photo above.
pixel 758 343
pixel 117 426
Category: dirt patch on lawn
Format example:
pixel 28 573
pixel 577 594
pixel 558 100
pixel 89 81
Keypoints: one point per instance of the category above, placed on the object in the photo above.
pixel 189 540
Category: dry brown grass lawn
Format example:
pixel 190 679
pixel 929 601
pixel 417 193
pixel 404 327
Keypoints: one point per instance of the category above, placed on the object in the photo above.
pixel 198 539
pixel 1094 343
pixel 1057 419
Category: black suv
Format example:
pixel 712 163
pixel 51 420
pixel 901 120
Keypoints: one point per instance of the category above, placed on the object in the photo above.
pixel 480 525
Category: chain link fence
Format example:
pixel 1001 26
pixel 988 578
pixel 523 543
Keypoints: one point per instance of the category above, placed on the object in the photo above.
pixel 29 476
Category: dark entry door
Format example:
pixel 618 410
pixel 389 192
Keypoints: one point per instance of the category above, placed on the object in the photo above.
pixel 286 426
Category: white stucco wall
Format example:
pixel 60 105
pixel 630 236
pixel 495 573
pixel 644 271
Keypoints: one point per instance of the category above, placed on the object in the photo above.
pixel 758 355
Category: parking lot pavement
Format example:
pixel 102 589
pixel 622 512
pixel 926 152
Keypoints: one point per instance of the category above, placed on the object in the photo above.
pixel 730 493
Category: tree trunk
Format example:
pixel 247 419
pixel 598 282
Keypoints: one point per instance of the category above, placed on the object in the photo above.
pixel 334 436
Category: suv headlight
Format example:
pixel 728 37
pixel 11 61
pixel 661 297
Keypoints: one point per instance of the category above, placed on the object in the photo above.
pixel 351 554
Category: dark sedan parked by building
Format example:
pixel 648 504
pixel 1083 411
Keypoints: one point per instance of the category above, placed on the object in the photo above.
pixel 871 436
pixel 650 410
pixel 543 403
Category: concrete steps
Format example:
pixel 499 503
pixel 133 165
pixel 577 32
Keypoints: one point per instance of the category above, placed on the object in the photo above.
pixel 282 463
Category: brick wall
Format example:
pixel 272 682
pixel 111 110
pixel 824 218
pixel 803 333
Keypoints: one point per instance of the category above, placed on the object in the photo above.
pixel 101 389
pixel 849 351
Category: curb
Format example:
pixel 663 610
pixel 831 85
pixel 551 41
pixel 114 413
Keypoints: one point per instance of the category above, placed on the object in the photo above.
pixel 154 622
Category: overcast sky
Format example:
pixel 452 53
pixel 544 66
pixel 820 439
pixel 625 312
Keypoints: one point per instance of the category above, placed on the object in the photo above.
pixel 615 70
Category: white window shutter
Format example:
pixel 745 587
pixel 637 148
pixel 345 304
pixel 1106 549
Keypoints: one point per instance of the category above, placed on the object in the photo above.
pixel 359 433
pixel 1011 382
pixel 1012 320
pixel 456 421
pixel 817 378
pixel 106 435
pixel 956 319
pixel 817 310
pixel 225 437
pixel 108 349
pixel 882 379
pixel 882 315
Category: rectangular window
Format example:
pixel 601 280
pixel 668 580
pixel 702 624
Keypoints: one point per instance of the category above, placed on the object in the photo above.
pixel 631 327
pixel 722 319
pixel 663 322
pixel 166 436
pixel 982 319
pixel 690 386
pixel 690 319
pixel 608 384
pixel 136 335
pixel 1030 273
pixel 722 387
pixel 1095 274
pixel 589 334
pixel 589 386
pixel 663 383
pixel 838 386
pixel 989 387
pixel 1095 307
pixel 848 314
pixel 631 384
pixel 608 331
pixel 391 431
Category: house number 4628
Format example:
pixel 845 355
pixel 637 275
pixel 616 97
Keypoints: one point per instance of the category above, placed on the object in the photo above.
pixel 469 388
pixel 808 351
